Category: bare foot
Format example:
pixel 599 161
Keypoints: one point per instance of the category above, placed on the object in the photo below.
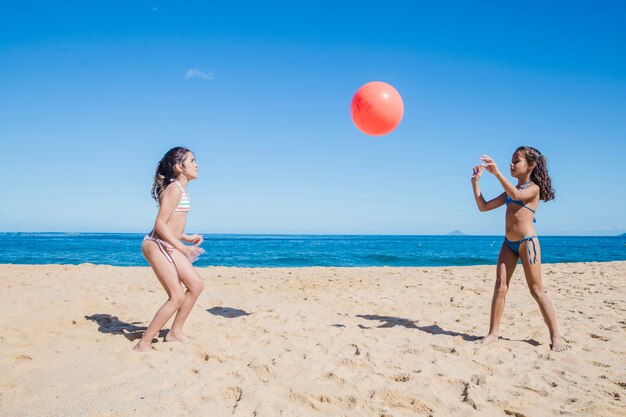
pixel 172 336
pixel 139 347
pixel 490 338
pixel 558 345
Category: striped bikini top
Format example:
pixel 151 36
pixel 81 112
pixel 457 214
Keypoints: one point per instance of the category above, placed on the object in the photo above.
pixel 184 205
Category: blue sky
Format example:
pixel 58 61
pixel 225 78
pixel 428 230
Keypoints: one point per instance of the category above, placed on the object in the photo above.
pixel 92 94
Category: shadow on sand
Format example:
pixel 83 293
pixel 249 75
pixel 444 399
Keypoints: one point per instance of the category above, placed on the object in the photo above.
pixel 410 324
pixel 111 324
pixel 227 312
pixel 432 329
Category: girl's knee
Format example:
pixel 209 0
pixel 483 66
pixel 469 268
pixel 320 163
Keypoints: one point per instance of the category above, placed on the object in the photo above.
pixel 177 299
pixel 196 287
pixel 537 291
pixel 501 287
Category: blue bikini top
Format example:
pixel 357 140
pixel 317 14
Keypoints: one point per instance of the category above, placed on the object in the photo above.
pixel 520 202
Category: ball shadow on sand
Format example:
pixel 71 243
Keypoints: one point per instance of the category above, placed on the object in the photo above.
pixel 227 312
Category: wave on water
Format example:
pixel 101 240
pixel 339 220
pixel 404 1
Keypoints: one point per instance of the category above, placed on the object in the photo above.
pixel 389 259
pixel 41 234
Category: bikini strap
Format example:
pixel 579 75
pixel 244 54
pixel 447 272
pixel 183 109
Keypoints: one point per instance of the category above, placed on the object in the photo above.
pixel 179 186
pixel 529 240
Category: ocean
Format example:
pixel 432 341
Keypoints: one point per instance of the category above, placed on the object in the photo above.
pixel 124 249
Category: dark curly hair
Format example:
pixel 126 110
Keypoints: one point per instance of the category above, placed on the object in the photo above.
pixel 540 174
pixel 165 172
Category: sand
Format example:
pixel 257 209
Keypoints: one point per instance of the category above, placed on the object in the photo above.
pixel 312 342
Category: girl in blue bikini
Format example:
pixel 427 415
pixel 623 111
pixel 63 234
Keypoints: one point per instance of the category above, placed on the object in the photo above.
pixel 165 249
pixel 529 168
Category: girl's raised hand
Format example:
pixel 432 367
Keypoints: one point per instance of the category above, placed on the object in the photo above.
pixel 489 164
pixel 477 172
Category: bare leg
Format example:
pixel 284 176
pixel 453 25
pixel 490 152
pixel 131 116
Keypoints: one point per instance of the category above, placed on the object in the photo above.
pixel 168 277
pixel 195 285
pixel 533 279
pixel 507 261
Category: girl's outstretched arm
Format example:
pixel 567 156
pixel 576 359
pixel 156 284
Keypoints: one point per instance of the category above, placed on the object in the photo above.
pixel 482 204
pixel 515 193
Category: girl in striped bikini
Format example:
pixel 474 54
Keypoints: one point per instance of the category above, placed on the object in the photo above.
pixel 529 168
pixel 164 249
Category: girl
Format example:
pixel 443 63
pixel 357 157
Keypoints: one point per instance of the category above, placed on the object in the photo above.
pixel 162 247
pixel 529 167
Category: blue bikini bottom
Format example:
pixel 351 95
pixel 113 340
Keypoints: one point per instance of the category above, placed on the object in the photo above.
pixel 515 246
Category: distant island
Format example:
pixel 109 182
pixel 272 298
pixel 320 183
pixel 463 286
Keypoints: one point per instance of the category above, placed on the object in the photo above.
pixel 622 235
pixel 456 233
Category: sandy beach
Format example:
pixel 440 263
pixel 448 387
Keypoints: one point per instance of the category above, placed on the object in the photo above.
pixel 312 342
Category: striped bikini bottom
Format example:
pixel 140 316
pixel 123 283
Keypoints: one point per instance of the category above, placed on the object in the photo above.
pixel 165 247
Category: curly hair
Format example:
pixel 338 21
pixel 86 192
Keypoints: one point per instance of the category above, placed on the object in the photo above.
pixel 540 174
pixel 165 172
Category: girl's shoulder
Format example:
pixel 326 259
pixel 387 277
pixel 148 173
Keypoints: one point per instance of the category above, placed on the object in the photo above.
pixel 535 189
pixel 172 189
pixel 170 195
